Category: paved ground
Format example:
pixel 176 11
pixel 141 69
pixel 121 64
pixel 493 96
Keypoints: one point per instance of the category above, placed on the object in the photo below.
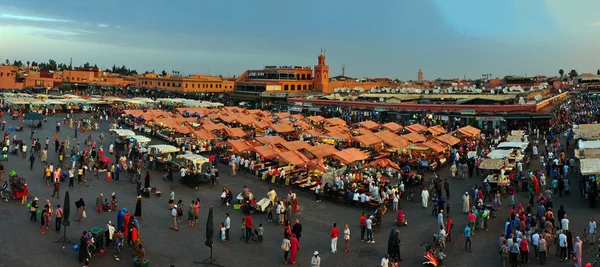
pixel 23 245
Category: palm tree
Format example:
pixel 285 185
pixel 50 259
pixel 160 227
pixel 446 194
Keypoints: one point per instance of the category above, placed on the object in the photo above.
pixel 7 62
pixel 561 72
pixel 573 74
pixel 27 63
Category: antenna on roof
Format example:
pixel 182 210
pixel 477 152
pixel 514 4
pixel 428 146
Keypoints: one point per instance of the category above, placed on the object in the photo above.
pixel 321 50
pixel 343 69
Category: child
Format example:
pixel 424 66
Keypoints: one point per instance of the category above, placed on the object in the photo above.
pixel 586 235
pixel 223 238
pixel 119 244
pixel 261 231
pixel 270 213
pixel 243 232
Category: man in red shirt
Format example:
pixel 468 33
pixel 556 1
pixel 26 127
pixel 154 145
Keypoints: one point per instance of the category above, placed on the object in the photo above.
pixel 249 227
pixel 449 225
pixel 363 226
pixel 334 237
pixel 472 219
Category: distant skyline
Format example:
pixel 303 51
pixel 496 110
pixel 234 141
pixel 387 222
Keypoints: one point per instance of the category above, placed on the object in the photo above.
pixel 388 38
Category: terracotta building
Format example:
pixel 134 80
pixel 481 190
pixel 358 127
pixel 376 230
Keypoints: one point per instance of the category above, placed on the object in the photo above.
pixel 193 83
pixel 8 78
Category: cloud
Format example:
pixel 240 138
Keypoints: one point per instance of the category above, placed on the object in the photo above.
pixel 9 16
pixel 102 25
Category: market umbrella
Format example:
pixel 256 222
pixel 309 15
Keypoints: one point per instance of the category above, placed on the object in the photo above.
pixel 210 229
pixel 66 210
pixel 32 116
pixel 105 159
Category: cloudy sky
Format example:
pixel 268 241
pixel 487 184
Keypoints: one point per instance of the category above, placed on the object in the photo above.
pixel 387 38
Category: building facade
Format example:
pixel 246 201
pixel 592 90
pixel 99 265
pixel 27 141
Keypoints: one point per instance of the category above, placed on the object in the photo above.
pixel 195 83
pixel 8 78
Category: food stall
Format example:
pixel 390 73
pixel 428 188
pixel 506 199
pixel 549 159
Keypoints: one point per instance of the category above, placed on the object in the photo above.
pixel 496 178
pixel 162 154
pixel 122 137
pixel 197 167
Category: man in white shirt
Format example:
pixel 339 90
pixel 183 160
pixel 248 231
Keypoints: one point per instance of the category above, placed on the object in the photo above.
pixel 562 242
pixel 535 239
pixel 564 223
pixel 592 231
pixel 182 172
pixel 385 262
pixel 227 225
pixel 370 230
pixel 356 196
pixel 363 197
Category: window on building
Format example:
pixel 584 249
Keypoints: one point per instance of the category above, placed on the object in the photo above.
pixel 303 76
pixel 168 84
pixel 304 87
pixel 211 85
pixel 310 87
pixel 186 85
pixel 293 87
pixel 309 77
pixel 285 87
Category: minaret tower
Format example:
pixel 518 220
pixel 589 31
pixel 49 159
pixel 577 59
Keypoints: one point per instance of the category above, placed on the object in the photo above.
pixel 322 75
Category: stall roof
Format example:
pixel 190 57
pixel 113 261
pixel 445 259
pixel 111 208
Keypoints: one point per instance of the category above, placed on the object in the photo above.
pixel 587 131
pixel 350 155
pixel 123 132
pixel 363 131
pixel 469 130
pixel 141 139
pixel 492 164
pixel 392 126
pixel 282 115
pixel 315 118
pixel 211 126
pixel 588 144
pixel 336 121
pixel 499 153
pixel 296 145
pixel 271 139
pixel 164 148
pixel 520 145
pixel 368 140
pixel 371 125
pixel 416 128
pixel 590 166
pixel 293 157
pixel 436 130
pixel 235 132
pixel 239 145
pixel 435 146
pixel 200 111
pixel 322 150
pixel 517 132
pixel 266 151
pixel 195 158
pixel 415 137
pixel 383 162
pixel 204 134
pixel 303 125
pixel 298 117
pixel 282 128
pixel 448 139
pixel 262 124
pixel 335 133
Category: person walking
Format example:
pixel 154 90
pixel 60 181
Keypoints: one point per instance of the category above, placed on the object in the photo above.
pixel 297 229
pixel 524 249
pixel 294 247
pixel 31 161
pixel 56 189
pixel 542 250
pixel 363 226
pixel 424 197
pixel 25 194
pixel 249 226
pixel 33 210
pixel 285 246
pixel 174 215
pixel 227 224
pixel 315 261
pixel 592 231
pixel 138 208
pixel 504 252
pixel 577 247
pixel 58 214
pixel 347 238
pixel 80 205
pixel 468 237
pixel 369 225
pixel 334 238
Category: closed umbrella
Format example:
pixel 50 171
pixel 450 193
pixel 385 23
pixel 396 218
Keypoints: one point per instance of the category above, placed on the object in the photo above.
pixel 210 229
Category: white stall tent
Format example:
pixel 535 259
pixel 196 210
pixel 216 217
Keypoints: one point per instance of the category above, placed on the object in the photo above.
pixel 141 139
pixel 195 158
pixel 122 132
pixel 590 166
pixel 163 149
pixel 521 145
pixel 588 144
pixel 499 154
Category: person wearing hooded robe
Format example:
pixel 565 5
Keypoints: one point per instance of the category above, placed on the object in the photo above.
pixel 466 199
pixel 294 246
pixel 577 251
pixel 138 208
pixel 424 197
pixel 394 245
pixel 126 225
pixel 83 251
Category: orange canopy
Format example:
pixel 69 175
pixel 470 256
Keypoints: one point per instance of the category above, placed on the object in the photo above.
pixel 282 128
pixel 371 125
pixel 383 162
pixel 200 111
pixel 211 126
pixel 149 114
pixel 203 134
pixel 297 117
pixel 448 139
pixel 416 128
pixel 322 150
pixel 296 145
pixel 363 131
pixel 392 126
pixel 282 115
pixel 336 121
pixel 435 146
pixel 271 139
pixel 261 124
pixel 368 140
pixel 415 137
pixel 392 140
pixel 183 129
pixel 315 164
pixel 469 130
pixel 436 130
pixel 235 132
pixel 315 118
pixel 303 125
pixel 350 155
pixel 293 157
pixel 266 151
pixel 336 133
pixel 239 145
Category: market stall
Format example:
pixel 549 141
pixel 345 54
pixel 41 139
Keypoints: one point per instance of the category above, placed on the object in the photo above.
pixel 496 177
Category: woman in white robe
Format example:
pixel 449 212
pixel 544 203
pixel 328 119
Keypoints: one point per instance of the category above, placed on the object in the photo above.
pixel 466 203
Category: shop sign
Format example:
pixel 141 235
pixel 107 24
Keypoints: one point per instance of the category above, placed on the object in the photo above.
pixel 489 118
pixel 274 95
pixel 467 112
pixel 380 109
